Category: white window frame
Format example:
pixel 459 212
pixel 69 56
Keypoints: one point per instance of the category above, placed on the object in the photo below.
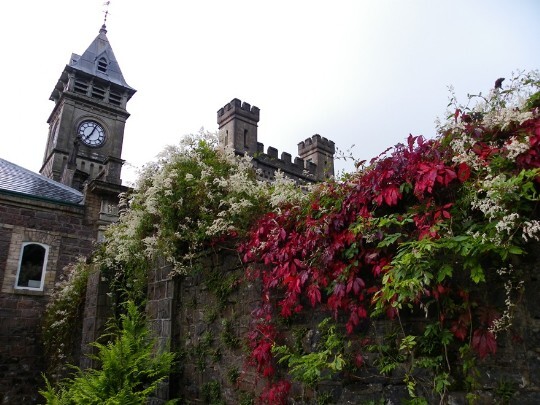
pixel 43 269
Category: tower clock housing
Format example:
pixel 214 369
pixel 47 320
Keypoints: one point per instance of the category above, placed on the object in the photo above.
pixel 86 126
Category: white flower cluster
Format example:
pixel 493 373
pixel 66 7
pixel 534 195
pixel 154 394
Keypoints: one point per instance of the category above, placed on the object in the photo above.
pixel 493 198
pixel 504 322
pixel 225 188
pixel 285 191
pixel 503 117
pixel 484 238
pixel 499 109
pixel 463 153
pixel 490 194
pixel 507 223
pixel 516 147
pixel 531 230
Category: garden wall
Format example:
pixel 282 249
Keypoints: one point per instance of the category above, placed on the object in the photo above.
pixel 207 315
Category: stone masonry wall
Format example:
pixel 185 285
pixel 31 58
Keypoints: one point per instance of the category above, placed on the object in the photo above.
pixel 96 313
pixel 205 318
pixel 21 311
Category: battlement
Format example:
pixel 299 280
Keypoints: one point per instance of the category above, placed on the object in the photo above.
pixel 239 109
pixel 238 130
pixel 268 162
pixel 316 142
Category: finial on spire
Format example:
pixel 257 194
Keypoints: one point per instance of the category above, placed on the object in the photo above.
pixel 106 12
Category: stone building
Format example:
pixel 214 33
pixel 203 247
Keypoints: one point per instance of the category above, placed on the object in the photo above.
pixel 50 219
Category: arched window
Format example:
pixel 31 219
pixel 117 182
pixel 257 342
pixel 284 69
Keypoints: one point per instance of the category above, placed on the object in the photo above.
pixel 102 65
pixel 32 265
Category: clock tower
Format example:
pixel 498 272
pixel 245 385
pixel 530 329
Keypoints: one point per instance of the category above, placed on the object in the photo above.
pixel 86 126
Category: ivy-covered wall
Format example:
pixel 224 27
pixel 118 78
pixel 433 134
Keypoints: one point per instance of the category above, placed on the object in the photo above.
pixel 207 316
pixel 204 317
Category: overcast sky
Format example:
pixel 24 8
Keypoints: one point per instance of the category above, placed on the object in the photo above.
pixel 366 73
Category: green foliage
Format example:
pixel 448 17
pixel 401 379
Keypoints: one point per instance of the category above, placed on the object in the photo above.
pixel 62 317
pixel 246 398
pixel 324 398
pixel 221 285
pixel 505 390
pixel 228 335
pixel 130 371
pixel 312 367
pixel 417 232
pixel 233 374
pixel 211 392
pixel 193 197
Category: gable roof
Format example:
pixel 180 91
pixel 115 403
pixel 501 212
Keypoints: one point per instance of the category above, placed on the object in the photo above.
pixel 100 47
pixel 17 179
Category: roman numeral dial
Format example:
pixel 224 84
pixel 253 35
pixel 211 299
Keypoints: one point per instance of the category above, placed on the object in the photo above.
pixel 91 133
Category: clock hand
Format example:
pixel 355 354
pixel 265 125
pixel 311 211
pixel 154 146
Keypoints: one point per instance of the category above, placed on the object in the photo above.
pixel 90 134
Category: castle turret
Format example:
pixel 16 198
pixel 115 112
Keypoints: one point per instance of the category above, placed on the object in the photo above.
pixel 320 151
pixel 238 126
pixel 238 121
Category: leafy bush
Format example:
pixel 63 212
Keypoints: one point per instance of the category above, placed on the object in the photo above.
pixel 323 363
pixel 414 231
pixel 130 371
pixel 193 197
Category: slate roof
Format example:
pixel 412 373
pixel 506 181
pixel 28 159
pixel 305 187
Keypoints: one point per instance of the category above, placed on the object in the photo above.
pixel 98 48
pixel 16 179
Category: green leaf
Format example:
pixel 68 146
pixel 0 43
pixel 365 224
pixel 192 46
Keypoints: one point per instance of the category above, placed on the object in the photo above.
pixel 445 271
pixel 515 250
pixel 477 274
pixel 389 239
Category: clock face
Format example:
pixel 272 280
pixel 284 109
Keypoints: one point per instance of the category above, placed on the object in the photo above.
pixel 92 133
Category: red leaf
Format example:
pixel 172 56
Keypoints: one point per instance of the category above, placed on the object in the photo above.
pixel 483 342
pixel 314 294
pixel 464 172
pixel 460 327
pixel 276 394
pixel 391 195
pixel 359 360
pixel 456 114
pixel 391 312
pixel 268 371
pixel 486 315
pixel 355 284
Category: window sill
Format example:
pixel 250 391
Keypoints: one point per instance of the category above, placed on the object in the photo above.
pixel 25 291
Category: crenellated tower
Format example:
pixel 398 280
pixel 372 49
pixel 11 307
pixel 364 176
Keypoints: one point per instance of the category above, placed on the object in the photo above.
pixel 238 121
pixel 238 126
pixel 320 151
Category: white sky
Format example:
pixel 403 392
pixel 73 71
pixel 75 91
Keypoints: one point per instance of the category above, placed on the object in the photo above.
pixel 366 73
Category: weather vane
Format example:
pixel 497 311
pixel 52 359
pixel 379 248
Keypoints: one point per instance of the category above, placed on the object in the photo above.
pixel 106 11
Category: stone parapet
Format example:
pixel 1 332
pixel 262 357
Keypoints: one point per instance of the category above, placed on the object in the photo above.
pixel 314 143
pixel 237 108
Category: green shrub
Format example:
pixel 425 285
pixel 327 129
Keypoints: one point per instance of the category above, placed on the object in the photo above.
pixel 130 369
